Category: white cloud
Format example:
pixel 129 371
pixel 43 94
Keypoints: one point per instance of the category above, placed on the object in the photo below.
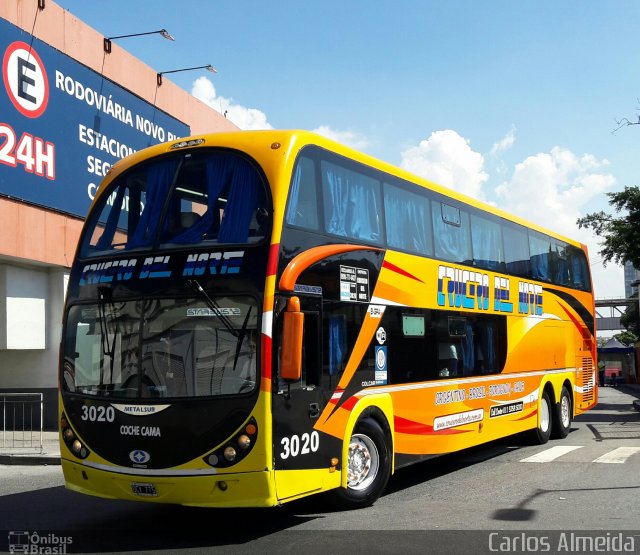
pixel 552 189
pixel 244 118
pixel 349 138
pixel 447 159
pixel 505 143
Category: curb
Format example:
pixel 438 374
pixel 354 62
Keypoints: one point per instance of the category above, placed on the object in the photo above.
pixel 30 460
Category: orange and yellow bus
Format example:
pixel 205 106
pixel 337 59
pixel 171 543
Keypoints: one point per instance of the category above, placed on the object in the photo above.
pixel 254 317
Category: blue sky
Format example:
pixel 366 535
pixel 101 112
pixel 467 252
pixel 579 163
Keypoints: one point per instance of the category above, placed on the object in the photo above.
pixel 511 102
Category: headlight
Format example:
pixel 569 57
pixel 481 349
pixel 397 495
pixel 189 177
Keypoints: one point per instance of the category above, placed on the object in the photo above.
pixel 230 454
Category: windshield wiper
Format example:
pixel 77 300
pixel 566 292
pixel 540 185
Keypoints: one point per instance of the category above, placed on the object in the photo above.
pixel 241 337
pixel 108 347
pixel 215 308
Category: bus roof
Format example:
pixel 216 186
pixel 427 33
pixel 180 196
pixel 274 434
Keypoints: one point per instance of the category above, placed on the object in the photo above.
pixel 267 147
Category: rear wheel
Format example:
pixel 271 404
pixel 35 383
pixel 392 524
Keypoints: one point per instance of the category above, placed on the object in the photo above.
pixel 543 431
pixel 368 466
pixel 563 415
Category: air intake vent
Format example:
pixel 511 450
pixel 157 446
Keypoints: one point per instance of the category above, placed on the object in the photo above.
pixel 587 380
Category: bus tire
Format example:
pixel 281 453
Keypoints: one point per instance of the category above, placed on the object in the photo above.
pixel 542 432
pixel 562 415
pixel 368 466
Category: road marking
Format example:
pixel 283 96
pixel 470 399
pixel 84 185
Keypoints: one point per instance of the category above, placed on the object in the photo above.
pixel 551 454
pixel 618 456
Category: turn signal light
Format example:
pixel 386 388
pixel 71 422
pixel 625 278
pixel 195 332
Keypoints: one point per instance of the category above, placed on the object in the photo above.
pixel 71 441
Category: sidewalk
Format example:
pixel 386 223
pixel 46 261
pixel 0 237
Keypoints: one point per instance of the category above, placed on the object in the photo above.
pixel 632 389
pixel 15 450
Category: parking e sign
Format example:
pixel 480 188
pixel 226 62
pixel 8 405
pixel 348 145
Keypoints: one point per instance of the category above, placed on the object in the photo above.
pixel 25 79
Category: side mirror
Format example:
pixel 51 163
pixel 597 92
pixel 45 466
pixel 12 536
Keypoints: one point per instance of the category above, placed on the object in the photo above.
pixel 292 330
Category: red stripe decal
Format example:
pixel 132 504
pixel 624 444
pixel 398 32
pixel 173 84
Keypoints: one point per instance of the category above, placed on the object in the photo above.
pixel 400 271
pixel 349 403
pixel 266 356
pixel 272 264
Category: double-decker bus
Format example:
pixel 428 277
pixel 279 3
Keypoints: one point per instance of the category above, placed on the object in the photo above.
pixel 254 317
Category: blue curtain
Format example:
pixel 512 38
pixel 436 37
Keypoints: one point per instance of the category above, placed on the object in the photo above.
pixel 486 241
pixel 407 221
pixel 337 343
pixel 336 204
pixel 468 352
pixel 159 179
pixel 218 171
pixel 294 193
pixel 451 241
pixel 106 239
pixel 540 267
pixel 351 205
pixel 488 348
pixel 241 204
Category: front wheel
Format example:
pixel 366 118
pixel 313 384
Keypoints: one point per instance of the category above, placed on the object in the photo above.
pixel 563 415
pixel 368 466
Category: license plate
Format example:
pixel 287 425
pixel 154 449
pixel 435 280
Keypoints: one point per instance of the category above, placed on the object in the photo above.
pixel 144 489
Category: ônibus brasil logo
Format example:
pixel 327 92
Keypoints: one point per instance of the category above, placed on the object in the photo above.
pixel 34 542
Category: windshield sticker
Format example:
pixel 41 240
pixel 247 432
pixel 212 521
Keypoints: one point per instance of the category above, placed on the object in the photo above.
pixel 221 311
pixel 354 284
pixel 381 365
pixel 376 311
pixel 153 267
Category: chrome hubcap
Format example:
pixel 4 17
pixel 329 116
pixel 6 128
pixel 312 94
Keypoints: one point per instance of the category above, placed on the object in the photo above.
pixel 363 462
pixel 544 415
pixel 565 412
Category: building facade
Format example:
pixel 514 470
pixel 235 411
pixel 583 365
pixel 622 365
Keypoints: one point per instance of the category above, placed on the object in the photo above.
pixel 68 110
pixel 631 274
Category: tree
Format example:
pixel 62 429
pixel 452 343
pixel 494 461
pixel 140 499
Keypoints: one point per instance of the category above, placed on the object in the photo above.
pixel 620 232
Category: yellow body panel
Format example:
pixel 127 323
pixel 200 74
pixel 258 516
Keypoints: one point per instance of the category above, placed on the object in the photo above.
pixel 249 489
pixel 546 350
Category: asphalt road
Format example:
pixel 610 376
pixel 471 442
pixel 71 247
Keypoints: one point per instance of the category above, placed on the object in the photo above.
pixel 506 496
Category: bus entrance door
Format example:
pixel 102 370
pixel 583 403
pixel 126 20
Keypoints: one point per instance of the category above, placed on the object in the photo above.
pixel 296 408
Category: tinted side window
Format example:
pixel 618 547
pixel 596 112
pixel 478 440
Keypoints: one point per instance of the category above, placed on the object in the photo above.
pixel 486 240
pixel 408 220
pixel 516 250
pixel 578 269
pixel 451 232
pixel 303 196
pixel 352 206
pixel 540 249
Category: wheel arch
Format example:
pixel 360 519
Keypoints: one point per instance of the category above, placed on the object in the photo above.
pixel 569 387
pixel 378 408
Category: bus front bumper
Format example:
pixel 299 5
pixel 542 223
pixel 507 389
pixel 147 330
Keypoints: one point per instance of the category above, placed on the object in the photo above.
pixel 246 489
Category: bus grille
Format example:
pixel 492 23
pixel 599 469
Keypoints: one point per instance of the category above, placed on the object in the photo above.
pixel 586 380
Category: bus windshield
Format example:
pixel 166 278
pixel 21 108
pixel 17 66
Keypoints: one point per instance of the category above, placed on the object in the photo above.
pixel 180 199
pixel 157 348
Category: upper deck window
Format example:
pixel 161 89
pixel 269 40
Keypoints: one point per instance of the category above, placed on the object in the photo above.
pixel 210 196
pixel 452 233
pixel 352 204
